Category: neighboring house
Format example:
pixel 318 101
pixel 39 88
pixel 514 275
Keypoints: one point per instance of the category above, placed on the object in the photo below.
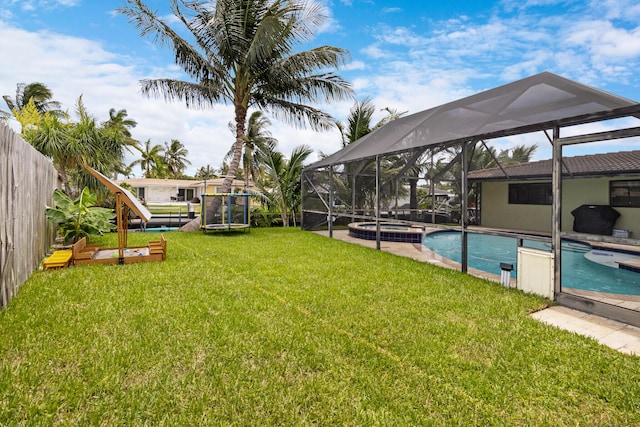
pixel 154 190
pixel 522 199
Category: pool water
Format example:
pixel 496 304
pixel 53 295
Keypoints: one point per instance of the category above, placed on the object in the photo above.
pixel 156 229
pixel 486 252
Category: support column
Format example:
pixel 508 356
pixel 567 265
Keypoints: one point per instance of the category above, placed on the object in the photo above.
pixel 353 198
pixel 463 206
pixel 378 185
pixel 556 211
pixel 432 189
pixel 302 197
pixel 119 221
pixel 330 215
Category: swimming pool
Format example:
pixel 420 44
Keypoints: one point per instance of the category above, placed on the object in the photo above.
pixel 155 229
pixel 486 252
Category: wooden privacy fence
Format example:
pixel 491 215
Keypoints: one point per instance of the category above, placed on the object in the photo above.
pixel 27 181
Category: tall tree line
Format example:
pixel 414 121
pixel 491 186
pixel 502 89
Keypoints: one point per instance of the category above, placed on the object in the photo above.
pixel 73 141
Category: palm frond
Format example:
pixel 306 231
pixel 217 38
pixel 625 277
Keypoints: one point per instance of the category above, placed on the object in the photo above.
pixel 187 57
pixel 297 114
pixel 195 95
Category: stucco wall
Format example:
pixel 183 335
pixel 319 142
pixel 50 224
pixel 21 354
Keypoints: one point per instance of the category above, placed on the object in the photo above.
pixel 497 212
pixel 161 194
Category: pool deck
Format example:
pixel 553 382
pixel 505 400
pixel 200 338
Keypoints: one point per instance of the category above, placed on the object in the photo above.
pixel 619 336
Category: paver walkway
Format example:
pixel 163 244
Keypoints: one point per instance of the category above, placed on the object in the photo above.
pixel 619 336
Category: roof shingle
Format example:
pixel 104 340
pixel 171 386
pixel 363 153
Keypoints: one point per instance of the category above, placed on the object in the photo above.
pixel 607 164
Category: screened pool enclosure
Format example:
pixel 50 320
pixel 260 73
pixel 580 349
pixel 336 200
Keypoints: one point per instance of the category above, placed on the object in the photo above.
pixel 395 173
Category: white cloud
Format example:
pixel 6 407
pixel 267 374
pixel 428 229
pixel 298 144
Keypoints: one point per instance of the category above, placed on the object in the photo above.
pixel 355 65
pixel 616 9
pixel 374 51
pixel 32 5
pixel 330 24
pixel 531 64
pixel 399 36
pixel 603 40
pixel 509 46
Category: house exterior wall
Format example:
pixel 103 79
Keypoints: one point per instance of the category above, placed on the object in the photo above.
pixel 164 193
pixel 497 212
pixel 166 190
pixel 161 194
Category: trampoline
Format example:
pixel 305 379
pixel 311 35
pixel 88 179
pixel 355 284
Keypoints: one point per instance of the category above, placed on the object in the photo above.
pixel 233 214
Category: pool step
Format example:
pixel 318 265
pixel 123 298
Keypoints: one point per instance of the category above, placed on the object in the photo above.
pixel 629 266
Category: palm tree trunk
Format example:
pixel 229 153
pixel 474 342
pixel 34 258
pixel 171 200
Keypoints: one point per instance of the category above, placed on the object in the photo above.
pixel 241 117
pixel 65 180
pixel 214 207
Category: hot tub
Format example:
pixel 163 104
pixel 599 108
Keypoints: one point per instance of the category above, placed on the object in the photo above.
pixel 389 232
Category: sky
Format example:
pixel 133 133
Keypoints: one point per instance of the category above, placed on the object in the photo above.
pixel 407 55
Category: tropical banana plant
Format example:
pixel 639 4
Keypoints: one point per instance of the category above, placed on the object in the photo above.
pixel 79 218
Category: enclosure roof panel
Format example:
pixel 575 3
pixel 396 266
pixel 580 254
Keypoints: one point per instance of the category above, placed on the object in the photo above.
pixel 607 164
pixel 127 198
pixel 535 103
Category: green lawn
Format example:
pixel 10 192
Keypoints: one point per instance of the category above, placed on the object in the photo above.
pixel 283 327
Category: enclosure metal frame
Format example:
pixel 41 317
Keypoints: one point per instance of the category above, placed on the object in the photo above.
pixel 631 109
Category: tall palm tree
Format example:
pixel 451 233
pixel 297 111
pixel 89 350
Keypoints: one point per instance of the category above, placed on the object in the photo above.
pixel 358 122
pixel 151 159
pixel 94 148
pixel 120 125
pixel 117 132
pixel 244 55
pixel 51 138
pixel 206 172
pixel 358 125
pixel 283 180
pixel 518 154
pixel 175 157
pixel 119 120
pixel 40 94
pixel 257 140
